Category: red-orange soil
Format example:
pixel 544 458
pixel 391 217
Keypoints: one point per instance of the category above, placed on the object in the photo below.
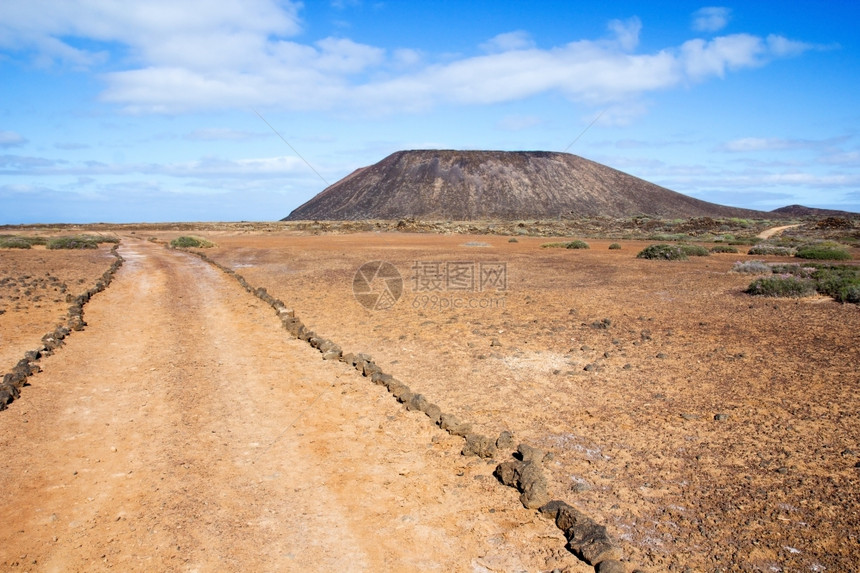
pixel 708 430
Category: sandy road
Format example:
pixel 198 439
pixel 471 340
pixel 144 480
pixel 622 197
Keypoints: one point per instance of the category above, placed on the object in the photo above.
pixel 768 233
pixel 183 430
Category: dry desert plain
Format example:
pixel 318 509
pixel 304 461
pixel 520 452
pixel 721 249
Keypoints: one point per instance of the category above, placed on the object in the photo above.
pixel 184 429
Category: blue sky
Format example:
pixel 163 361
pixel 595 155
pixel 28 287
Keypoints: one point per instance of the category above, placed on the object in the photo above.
pixel 127 111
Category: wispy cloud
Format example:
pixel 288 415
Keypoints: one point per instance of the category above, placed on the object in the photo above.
pixel 219 134
pixel 71 146
pixel 519 40
pixel 11 139
pixel 754 144
pixel 207 167
pixel 519 122
pixel 235 53
pixel 711 18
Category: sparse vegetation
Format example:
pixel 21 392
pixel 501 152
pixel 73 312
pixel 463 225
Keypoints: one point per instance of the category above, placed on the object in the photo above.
pixel 771 249
pixel 186 242
pixel 744 241
pixel 662 252
pixel 695 250
pixel 20 241
pixel 841 282
pixel 577 244
pixel 77 241
pixel 752 267
pixel 14 243
pixel 614 247
pixel 73 242
pixel 513 240
pixel 823 252
pixel 723 249
pixel 781 286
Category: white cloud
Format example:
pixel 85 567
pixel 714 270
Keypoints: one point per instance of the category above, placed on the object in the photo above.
pixel 711 18
pixel 519 122
pixel 11 139
pixel 218 134
pixel 751 144
pixel 71 146
pixel 702 58
pixel 783 47
pixel 748 144
pixel 259 167
pixel 844 158
pixel 405 57
pixel 626 32
pixel 156 32
pixel 198 55
pixel 509 41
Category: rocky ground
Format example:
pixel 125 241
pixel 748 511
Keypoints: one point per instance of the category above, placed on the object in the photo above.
pixel 708 430
pixel 184 430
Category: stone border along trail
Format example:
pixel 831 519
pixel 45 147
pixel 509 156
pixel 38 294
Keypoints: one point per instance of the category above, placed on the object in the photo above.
pixel 182 431
pixel 10 387
pixel 586 539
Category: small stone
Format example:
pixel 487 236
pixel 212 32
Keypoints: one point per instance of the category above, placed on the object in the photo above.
pixel 662 355
pixel 495 342
pixel 687 416
pixel 505 441
pixel 721 417
pixel 479 445
pixel 611 566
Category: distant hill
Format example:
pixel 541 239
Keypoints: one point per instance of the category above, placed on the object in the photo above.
pixel 801 211
pixel 472 185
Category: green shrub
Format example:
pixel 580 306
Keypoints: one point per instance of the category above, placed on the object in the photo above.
pixel 18 241
pixel 822 253
pixel 842 283
pixel 73 242
pixel 793 269
pixel 744 241
pixel 662 252
pixel 850 294
pixel 723 249
pixel 769 249
pixel 668 237
pixel 567 245
pixel 752 267
pixel 14 243
pixel 103 239
pixel 577 245
pixel 781 285
pixel 614 247
pixel 695 250
pixel 186 242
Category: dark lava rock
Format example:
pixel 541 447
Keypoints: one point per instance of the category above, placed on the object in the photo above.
pixel 505 440
pixel 479 445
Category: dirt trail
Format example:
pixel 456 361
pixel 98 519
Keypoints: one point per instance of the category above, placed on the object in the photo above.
pixel 768 233
pixel 183 430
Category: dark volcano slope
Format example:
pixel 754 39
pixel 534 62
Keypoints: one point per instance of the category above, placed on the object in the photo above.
pixel 467 185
